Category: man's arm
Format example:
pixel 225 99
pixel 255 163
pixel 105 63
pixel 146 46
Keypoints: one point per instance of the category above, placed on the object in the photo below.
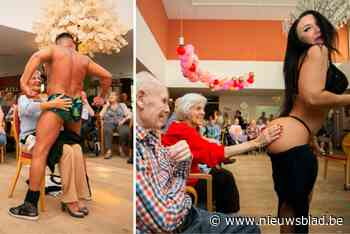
pixel 35 60
pixel 160 210
pixel 105 76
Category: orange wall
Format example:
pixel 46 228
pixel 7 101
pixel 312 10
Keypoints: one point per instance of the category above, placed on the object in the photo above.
pixel 238 39
pixel 154 14
pixel 343 45
pixel 230 39
pixel 223 39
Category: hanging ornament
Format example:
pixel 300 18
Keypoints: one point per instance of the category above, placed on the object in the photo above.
pixel 189 63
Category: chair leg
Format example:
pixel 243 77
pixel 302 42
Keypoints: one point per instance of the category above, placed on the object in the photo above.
pixel 347 174
pixel 2 154
pixel 15 179
pixel 42 195
pixel 325 168
pixel 210 195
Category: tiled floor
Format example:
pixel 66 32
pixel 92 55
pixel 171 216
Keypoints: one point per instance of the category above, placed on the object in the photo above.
pixel 253 175
pixel 110 209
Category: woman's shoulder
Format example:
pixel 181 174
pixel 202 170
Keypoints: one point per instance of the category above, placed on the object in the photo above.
pixel 179 126
pixel 317 52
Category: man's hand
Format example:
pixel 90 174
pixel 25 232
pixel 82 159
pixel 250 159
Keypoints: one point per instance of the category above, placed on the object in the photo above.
pixel 180 151
pixel 98 101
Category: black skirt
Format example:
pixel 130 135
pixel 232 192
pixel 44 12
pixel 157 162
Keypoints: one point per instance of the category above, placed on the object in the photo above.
pixel 294 174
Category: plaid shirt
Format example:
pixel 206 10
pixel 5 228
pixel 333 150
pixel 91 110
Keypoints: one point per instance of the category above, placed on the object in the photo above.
pixel 161 202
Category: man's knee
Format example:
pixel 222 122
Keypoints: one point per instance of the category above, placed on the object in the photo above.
pixel 224 177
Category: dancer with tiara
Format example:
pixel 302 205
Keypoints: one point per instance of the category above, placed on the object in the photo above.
pixel 312 85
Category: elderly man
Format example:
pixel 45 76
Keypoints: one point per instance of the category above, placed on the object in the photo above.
pixel 161 173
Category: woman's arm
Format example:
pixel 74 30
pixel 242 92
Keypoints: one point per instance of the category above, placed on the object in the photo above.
pixel 89 109
pixel 104 109
pixel 29 107
pixel 312 80
pixel 127 113
pixel 266 137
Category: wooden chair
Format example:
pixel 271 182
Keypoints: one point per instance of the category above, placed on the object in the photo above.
pixel 209 181
pixel 2 153
pixel 24 158
pixel 2 147
pixel 343 159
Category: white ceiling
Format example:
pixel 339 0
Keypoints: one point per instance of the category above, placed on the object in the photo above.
pixel 229 9
pixel 21 14
pixel 17 44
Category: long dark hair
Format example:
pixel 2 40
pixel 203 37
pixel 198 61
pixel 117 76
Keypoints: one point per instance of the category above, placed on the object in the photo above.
pixel 295 54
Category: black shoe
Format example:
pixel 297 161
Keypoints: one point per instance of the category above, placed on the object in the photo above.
pixel 84 210
pixel 75 214
pixel 25 211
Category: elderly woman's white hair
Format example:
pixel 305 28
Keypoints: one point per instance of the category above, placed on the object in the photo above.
pixel 184 104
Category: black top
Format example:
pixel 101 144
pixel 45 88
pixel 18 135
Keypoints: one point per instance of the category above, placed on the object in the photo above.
pixel 336 80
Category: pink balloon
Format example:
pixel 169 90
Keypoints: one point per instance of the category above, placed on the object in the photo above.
pixel 187 73
pixel 204 77
pixel 189 49
pixel 226 86
pixel 183 63
pixel 192 76
pixel 195 58
pixel 199 71
pixel 195 77
pixel 189 62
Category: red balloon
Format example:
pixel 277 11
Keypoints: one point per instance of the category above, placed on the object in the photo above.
pixel 235 84
pixel 193 68
pixel 250 79
pixel 180 50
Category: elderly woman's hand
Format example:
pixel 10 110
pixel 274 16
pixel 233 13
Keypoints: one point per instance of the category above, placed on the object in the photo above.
pixel 269 134
pixel 180 151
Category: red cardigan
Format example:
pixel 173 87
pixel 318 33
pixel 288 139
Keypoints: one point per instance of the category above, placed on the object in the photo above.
pixel 203 151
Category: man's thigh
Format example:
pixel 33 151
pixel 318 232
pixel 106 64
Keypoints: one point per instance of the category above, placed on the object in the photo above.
pixel 213 222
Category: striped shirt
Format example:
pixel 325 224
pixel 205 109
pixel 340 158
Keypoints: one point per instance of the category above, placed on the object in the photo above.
pixel 161 201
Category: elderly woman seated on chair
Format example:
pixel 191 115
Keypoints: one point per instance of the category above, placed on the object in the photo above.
pixel 71 161
pixel 116 116
pixel 190 113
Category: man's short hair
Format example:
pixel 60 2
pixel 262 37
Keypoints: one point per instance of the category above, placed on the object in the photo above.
pixel 64 35
pixel 146 80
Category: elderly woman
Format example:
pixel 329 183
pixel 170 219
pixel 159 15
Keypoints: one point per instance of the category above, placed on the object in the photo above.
pixel 252 130
pixel 71 162
pixel 190 113
pixel 236 132
pixel 115 116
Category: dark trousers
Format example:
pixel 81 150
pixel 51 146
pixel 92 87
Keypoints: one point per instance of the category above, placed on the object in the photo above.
pixel 201 221
pixel 225 191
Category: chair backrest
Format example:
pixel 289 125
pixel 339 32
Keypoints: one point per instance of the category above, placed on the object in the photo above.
pixel 346 144
pixel 16 125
